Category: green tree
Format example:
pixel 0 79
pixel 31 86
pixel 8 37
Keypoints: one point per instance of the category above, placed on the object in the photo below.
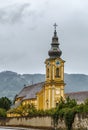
pixel 70 102
pixel 61 103
pixel 24 110
pixel 5 103
pixel 2 112
pixel 69 118
pixel 86 101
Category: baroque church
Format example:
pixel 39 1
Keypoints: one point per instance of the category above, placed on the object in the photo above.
pixel 46 95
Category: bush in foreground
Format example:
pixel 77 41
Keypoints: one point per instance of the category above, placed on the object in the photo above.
pixel 2 112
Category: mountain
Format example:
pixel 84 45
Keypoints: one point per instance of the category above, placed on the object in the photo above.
pixel 11 83
pixel 76 82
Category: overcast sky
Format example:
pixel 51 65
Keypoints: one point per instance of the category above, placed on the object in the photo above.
pixel 26 30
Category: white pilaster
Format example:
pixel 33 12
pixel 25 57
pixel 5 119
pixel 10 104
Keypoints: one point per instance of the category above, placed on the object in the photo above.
pixel 53 96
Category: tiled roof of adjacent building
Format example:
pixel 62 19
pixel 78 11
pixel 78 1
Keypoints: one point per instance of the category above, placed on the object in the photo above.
pixel 78 96
pixel 29 92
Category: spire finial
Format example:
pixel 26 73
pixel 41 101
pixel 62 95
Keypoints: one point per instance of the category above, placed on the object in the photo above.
pixel 55 25
pixel 55 51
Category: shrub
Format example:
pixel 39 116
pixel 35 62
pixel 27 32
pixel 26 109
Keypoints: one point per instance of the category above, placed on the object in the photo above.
pixel 2 112
pixel 5 103
pixel 86 102
pixel 69 118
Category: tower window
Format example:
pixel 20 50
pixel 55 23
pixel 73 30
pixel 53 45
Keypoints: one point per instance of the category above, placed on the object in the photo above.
pixel 57 72
pixel 48 73
pixel 47 103
pixel 57 104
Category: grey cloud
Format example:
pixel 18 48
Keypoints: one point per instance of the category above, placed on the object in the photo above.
pixel 28 30
pixel 21 14
pixel 13 13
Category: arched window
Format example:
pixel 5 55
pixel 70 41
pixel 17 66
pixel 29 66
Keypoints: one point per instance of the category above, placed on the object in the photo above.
pixel 57 104
pixel 48 73
pixel 57 72
pixel 47 103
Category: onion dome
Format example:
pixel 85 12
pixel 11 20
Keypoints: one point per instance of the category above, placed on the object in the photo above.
pixel 55 52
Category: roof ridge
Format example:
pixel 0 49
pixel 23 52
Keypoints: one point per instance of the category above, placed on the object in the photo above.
pixel 34 84
pixel 77 92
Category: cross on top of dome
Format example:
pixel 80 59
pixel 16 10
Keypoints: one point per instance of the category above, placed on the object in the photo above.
pixel 55 25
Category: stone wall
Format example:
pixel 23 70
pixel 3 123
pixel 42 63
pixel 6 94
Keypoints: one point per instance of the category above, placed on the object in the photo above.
pixel 80 121
pixel 42 122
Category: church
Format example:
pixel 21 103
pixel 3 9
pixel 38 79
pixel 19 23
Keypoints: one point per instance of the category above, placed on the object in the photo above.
pixel 46 95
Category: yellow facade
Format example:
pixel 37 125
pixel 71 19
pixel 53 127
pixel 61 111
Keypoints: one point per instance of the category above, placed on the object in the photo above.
pixel 30 101
pixel 26 101
pixel 53 89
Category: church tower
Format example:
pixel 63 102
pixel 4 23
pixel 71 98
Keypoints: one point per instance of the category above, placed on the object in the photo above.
pixel 54 84
pixel 53 89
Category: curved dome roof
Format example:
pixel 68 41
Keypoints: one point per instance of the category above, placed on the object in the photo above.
pixel 55 50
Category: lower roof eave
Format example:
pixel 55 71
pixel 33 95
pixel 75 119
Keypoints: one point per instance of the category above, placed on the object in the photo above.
pixel 29 99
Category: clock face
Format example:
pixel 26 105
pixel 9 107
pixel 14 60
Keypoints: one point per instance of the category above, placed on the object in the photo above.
pixel 57 62
pixel 57 92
